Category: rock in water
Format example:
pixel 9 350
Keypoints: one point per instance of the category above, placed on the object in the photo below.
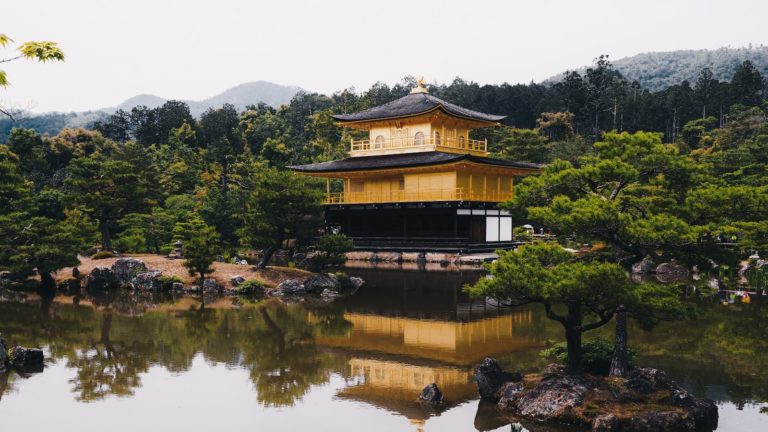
pixel 100 279
pixel 125 269
pixel 431 394
pixel 508 395
pixel 555 396
pixel 606 423
pixel 290 287
pixel 489 378
pixel 26 358
pixel 660 421
pixel 319 282
pixel 147 281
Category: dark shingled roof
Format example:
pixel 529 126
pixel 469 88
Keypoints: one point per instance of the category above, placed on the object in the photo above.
pixel 404 160
pixel 415 104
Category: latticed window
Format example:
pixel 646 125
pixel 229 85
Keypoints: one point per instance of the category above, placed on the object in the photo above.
pixel 461 141
pixel 418 139
pixel 379 143
pixel 437 138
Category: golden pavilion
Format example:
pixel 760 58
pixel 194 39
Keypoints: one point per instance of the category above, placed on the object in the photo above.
pixel 419 182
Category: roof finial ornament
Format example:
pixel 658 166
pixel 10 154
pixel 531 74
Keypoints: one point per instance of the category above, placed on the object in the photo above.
pixel 419 86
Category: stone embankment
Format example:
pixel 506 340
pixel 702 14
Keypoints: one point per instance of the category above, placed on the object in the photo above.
pixel 444 259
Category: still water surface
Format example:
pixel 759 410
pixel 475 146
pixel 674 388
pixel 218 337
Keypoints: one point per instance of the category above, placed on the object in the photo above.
pixel 163 364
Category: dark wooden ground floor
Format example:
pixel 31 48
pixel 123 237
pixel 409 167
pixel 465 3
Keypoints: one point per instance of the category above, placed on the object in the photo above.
pixel 457 227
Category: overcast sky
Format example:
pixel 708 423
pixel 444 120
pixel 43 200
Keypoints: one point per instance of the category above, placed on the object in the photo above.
pixel 196 49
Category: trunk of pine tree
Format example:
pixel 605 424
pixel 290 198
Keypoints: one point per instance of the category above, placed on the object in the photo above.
pixel 266 256
pixel 106 235
pixel 573 338
pixel 620 360
pixel 47 284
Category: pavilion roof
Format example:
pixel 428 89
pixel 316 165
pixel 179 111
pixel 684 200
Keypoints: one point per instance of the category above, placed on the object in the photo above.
pixel 405 160
pixel 415 104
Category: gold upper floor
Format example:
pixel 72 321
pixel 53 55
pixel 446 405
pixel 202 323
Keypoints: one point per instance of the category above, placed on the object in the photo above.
pixel 435 131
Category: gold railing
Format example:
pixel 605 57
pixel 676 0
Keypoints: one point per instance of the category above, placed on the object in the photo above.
pixel 395 196
pixel 374 146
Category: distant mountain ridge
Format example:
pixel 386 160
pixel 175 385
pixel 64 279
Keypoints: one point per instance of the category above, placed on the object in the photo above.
pixel 250 93
pixel 659 70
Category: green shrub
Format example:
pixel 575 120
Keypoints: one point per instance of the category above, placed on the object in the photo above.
pixel 332 248
pixel 251 286
pixel 130 243
pixel 102 255
pixel 596 355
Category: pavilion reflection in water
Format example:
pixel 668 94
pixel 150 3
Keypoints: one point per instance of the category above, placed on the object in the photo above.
pixel 411 328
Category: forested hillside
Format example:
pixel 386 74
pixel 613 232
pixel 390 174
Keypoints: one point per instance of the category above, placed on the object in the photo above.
pixel 659 70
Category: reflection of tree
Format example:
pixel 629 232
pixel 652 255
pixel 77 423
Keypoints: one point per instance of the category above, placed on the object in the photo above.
pixel 284 360
pixel 329 320
pixel 108 368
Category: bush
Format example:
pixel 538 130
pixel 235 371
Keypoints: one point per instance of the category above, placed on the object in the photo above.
pixel 251 286
pixel 332 248
pixel 102 255
pixel 596 355
pixel 167 281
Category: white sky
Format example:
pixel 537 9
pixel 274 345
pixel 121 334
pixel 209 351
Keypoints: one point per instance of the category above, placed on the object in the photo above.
pixel 196 49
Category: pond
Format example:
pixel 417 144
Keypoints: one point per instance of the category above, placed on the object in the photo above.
pixel 127 363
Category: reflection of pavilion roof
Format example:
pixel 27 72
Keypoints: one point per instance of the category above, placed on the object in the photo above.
pixel 456 343
pixel 395 386
pixel 415 104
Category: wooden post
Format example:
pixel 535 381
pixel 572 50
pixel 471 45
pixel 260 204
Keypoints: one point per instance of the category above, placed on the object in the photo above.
pixel 328 189
pixel 498 187
pixel 469 197
pixel 485 186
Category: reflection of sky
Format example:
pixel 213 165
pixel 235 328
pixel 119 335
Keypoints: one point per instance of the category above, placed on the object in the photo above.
pixel 213 397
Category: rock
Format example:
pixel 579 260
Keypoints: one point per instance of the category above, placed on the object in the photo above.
pixel 670 272
pixel 554 398
pixel 147 281
pixel 489 378
pixel 211 286
pixel 640 385
pixel 659 421
pixel 290 287
pixel 554 368
pixel 643 267
pixel 704 413
pixel 319 282
pixel 76 273
pixel 26 358
pixel 125 269
pixel 329 294
pixel 69 286
pixel 658 378
pixel 680 397
pixel 606 423
pixel 431 394
pixel 508 395
pixel 100 279
pixel 348 285
pixel 236 280
pixel 177 287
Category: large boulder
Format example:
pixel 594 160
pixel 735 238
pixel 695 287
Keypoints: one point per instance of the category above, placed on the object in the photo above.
pixel 659 421
pixel 508 395
pixel 125 269
pixel 349 285
pixel 317 283
pixel 100 279
pixel 554 398
pixel 236 280
pixel 30 359
pixel 431 394
pixel 656 377
pixel 643 267
pixel 489 378
pixel 211 286
pixel 290 287
pixel 148 281
pixel 704 413
pixel 670 272
pixel 606 423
